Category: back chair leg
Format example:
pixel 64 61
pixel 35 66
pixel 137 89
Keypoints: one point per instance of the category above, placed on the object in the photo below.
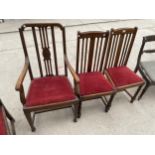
pixel 107 108
pixel 136 93
pixel 144 90
pixel 29 119
pixel 79 109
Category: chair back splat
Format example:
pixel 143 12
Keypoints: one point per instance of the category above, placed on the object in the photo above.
pixel 119 46
pixel 44 39
pixel 91 47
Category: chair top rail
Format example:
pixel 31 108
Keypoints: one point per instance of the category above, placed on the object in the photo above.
pixel 39 25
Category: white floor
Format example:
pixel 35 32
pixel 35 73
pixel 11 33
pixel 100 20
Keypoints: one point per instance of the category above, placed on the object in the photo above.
pixel 123 118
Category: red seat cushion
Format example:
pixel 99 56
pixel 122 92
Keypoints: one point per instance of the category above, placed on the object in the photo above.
pixel 2 124
pixel 94 82
pixel 49 90
pixel 123 76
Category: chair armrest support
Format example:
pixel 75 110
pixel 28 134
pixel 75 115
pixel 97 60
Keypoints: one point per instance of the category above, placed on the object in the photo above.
pixel 75 76
pixel 21 78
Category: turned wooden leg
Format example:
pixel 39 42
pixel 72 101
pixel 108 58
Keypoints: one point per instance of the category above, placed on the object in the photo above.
pixel 109 103
pixel 29 119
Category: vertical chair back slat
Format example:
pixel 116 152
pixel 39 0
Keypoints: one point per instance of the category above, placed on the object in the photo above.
pixel 54 49
pixel 37 50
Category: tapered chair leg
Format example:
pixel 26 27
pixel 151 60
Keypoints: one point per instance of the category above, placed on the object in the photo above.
pixel 29 119
pixel 136 93
pixel 79 109
pixel 143 91
pixel 107 108
pixel 76 111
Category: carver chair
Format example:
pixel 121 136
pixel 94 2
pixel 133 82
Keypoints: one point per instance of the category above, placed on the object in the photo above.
pixel 49 88
pixel 6 128
pixel 118 52
pixel 91 47
pixel 146 68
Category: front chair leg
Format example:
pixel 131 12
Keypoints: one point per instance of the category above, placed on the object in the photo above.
pixel 76 111
pixel 79 109
pixel 136 93
pixel 29 119
pixel 109 102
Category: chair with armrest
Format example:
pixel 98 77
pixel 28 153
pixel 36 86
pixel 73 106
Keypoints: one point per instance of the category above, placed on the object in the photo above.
pixel 5 128
pixel 52 89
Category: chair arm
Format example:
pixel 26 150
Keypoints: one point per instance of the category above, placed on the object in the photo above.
pixel 75 76
pixel 19 83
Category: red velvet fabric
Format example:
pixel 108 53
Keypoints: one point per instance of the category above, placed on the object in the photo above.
pixel 123 76
pixel 2 124
pixel 49 90
pixel 93 82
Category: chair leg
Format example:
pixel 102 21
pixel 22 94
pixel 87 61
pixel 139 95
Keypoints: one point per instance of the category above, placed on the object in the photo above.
pixel 76 111
pixel 143 91
pixel 136 93
pixel 107 108
pixel 79 109
pixel 29 119
pixel 136 69
pixel 13 127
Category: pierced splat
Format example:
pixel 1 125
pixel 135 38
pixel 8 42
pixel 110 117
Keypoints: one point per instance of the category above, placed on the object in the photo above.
pixel 46 50
pixel 43 38
pixel 47 61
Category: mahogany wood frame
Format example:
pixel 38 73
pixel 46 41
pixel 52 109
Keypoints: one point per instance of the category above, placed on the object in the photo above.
pixel 139 67
pixel 7 116
pixel 91 50
pixel 119 48
pixel 42 29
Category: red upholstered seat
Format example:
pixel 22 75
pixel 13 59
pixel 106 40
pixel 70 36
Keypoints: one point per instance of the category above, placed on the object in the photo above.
pixel 94 82
pixel 2 124
pixel 123 76
pixel 49 90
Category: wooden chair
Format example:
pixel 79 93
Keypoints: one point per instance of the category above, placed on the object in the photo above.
pixel 52 89
pixel 118 52
pixel 146 68
pixel 5 128
pixel 91 47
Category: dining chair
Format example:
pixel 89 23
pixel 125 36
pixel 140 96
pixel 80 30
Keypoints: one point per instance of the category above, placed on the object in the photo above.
pixel 44 46
pixel 7 126
pixel 146 68
pixel 90 56
pixel 118 52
